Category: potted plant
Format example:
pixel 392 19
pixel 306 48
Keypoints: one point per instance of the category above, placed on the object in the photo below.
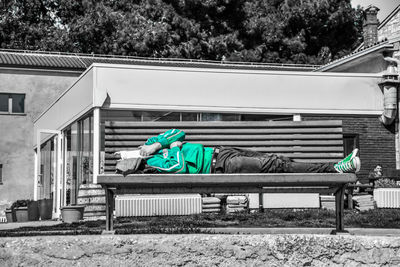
pixel 10 215
pixel 21 210
pixel 46 208
pixel 25 210
pixel 387 193
pixel 72 213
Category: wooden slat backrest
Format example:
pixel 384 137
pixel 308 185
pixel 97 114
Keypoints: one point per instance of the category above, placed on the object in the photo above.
pixel 307 141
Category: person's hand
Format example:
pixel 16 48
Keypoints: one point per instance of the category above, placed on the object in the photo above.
pixel 118 154
pixel 148 150
pixel 176 143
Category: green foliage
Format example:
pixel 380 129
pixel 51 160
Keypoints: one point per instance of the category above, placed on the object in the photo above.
pixel 314 218
pixel 385 183
pixel 281 31
pixel 20 203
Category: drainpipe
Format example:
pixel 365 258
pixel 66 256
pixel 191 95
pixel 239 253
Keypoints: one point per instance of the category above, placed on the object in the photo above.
pixel 389 85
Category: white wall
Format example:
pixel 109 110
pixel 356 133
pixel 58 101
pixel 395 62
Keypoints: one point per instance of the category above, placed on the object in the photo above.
pixel 73 103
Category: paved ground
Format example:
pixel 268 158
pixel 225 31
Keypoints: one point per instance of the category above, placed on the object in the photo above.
pixel 7 226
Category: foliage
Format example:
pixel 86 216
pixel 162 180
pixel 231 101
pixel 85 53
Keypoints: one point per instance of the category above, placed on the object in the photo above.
pixel 20 203
pixel 281 31
pixel 313 218
pixel 386 183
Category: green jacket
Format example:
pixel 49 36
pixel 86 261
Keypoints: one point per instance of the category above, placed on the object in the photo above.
pixel 191 158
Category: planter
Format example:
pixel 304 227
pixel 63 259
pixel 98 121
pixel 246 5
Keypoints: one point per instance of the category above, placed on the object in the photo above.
pixel 33 211
pixel 22 214
pixel 387 197
pixel 72 214
pixel 46 209
pixel 10 215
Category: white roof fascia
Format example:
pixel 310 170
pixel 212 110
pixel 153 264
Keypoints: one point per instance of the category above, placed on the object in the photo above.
pixel 73 103
pixel 353 57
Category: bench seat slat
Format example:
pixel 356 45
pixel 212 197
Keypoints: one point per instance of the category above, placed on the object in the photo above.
pixel 191 138
pixel 133 144
pixel 225 124
pixel 155 131
pixel 290 155
pixel 109 166
pixel 110 163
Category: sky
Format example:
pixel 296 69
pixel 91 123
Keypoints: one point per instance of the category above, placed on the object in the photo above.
pixel 385 6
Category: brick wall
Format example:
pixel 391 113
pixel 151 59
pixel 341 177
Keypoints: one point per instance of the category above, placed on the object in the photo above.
pixel 376 142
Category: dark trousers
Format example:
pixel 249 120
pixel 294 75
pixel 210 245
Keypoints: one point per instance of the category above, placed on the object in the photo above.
pixel 237 160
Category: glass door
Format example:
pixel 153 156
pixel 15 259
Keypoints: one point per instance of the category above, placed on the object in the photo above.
pixel 78 158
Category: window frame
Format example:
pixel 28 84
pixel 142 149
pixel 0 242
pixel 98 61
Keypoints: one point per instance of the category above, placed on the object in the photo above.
pixel 1 174
pixel 10 104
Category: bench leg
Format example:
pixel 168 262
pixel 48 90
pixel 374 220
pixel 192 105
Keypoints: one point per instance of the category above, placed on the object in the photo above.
pixel 339 199
pixel 260 202
pixel 350 198
pixel 110 201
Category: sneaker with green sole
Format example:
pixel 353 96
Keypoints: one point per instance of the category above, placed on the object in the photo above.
pixel 350 156
pixel 350 165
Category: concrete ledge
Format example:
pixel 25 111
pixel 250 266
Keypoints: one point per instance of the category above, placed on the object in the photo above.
pixel 201 250
pixel 302 231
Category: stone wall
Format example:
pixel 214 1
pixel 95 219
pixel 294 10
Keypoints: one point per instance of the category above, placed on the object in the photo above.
pixel 391 29
pixel 201 250
pixel 16 131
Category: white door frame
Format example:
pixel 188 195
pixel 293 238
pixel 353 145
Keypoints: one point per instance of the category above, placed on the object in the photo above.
pixel 58 168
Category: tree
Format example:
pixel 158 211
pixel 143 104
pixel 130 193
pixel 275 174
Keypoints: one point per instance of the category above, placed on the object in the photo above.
pixel 281 31
pixel 24 23
pixel 309 31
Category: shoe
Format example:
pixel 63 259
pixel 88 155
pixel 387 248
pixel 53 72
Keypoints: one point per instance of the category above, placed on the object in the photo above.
pixel 350 156
pixel 350 165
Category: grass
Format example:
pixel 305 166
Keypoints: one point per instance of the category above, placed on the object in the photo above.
pixel 312 218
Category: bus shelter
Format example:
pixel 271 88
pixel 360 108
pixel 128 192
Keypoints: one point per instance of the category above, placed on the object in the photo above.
pixel 69 134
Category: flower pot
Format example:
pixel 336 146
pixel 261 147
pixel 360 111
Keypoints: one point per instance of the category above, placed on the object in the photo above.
pixel 22 214
pixel 72 214
pixel 10 215
pixel 46 209
pixel 33 211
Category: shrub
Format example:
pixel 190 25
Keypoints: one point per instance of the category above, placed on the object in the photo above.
pixel 385 183
pixel 21 203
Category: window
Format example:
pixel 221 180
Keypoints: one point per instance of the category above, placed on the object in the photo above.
pixel 1 173
pixel 12 103
pixel 350 141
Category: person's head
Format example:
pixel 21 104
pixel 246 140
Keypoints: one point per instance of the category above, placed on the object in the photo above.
pixel 378 170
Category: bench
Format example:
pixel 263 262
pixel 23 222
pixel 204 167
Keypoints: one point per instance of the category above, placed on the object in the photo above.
pixel 305 141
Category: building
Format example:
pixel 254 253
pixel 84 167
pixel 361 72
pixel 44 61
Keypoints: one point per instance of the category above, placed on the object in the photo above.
pixel 114 93
pixel 30 82
pixel 378 143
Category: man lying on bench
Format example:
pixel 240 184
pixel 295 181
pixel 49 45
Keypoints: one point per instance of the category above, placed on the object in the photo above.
pixel 167 153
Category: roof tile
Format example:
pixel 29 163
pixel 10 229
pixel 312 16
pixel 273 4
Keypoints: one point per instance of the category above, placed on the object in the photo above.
pixel 48 60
